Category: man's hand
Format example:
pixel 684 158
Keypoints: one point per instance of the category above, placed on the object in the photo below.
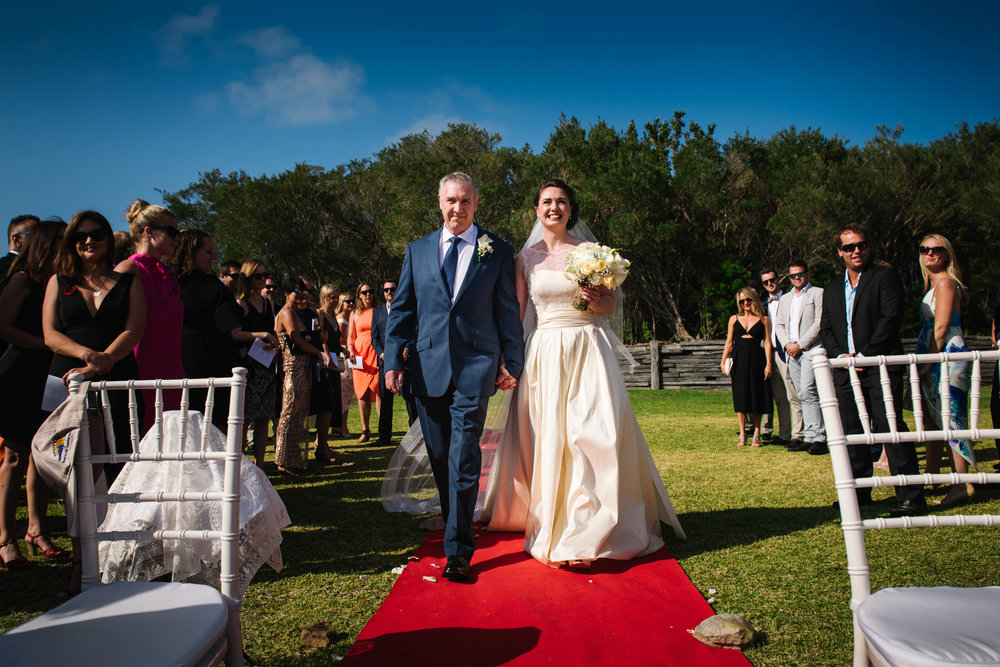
pixel 394 381
pixel 793 350
pixel 505 381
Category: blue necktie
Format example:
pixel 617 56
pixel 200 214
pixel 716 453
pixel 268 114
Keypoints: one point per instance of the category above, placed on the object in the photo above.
pixel 450 266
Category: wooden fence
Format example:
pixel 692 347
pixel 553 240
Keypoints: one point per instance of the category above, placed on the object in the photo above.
pixel 695 364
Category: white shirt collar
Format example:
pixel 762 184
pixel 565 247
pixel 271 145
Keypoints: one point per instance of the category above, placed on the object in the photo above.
pixel 469 235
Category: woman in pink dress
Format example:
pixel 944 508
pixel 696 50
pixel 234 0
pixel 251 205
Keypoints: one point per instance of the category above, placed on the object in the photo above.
pixel 359 344
pixel 158 353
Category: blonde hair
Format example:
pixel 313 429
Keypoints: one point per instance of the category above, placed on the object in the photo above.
pixel 245 282
pixel 344 296
pixel 142 214
pixel 950 268
pixel 755 306
pixel 325 291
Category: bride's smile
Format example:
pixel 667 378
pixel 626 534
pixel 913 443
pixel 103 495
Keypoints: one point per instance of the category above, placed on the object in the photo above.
pixel 553 208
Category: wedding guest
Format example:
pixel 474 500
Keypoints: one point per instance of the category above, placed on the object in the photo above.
pixel 940 311
pixel 124 247
pixel 751 363
pixel 781 395
pixel 359 344
pixel 262 385
pixel 213 321
pixel 24 367
pixel 862 311
pixel 18 232
pixel 298 357
pixel 379 320
pixel 797 327
pixel 325 399
pixel 93 317
pixel 229 274
pixel 345 307
pixel 269 290
pixel 158 352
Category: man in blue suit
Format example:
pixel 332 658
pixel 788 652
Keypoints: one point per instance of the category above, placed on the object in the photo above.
pixel 457 300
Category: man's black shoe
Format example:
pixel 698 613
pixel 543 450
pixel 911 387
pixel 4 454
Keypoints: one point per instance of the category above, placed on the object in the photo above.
pixel 818 448
pixel 457 569
pixel 779 441
pixel 798 446
pixel 916 507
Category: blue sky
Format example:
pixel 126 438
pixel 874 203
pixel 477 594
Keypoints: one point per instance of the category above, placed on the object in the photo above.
pixel 105 102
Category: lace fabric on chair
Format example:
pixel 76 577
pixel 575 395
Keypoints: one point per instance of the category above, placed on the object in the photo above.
pixel 262 513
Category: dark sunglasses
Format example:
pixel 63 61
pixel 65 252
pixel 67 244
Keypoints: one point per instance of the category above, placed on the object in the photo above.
pixel 745 301
pixel 850 247
pixel 169 230
pixel 928 250
pixel 388 289
pixel 769 280
pixel 348 300
pixel 95 235
pixel 261 276
pixel 302 290
pixel 269 286
pixel 366 291
pixel 235 276
pixel 800 274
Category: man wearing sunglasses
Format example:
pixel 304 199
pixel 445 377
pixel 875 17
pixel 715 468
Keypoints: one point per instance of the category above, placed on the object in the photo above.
pixel 862 311
pixel 380 317
pixel 781 394
pixel 17 235
pixel 797 330
pixel 229 274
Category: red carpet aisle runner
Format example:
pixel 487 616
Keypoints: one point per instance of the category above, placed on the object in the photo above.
pixel 520 612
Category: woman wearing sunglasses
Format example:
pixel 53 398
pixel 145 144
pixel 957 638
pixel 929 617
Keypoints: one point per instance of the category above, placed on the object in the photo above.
pixel 345 307
pixel 748 345
pixel 940 311
pixel 158 353
pixel 262 382
pixel 359 344
pixel 93 316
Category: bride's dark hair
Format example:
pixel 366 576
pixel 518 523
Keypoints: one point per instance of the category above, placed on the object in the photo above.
pixel 574 213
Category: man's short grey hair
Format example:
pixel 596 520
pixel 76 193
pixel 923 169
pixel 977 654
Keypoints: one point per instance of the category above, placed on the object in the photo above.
pixel 457 177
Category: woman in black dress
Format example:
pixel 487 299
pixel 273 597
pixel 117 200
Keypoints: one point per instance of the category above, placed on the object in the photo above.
pixel 93 316
pixel 751 362
pixel 23 369
pixel 324 401
pixel 213 321
pixel 260 405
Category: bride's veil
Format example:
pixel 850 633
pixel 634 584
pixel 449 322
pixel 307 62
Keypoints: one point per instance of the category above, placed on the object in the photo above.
pixel 408 485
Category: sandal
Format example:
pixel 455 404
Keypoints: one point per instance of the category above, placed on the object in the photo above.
pixel 755 442
pixel 33 547
pixel 741 441
pixel 365 436
pixel 19 562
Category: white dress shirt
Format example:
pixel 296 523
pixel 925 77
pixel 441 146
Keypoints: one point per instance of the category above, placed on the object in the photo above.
pixel 465 252
pixel 795 313
pixel 772 313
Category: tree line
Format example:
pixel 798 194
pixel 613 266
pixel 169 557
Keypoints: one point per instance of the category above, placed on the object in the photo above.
pixel 697 216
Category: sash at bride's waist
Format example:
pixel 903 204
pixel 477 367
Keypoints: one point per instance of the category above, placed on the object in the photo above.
pixel 562 318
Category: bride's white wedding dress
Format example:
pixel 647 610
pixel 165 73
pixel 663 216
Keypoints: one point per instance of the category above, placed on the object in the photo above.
pixel 573 469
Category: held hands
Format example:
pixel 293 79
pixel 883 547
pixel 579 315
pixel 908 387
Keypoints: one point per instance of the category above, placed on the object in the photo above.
pixel 793 350
pixel 505 381
pixel 99 363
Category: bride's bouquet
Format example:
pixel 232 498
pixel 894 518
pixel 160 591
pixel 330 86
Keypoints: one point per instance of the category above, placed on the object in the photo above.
pixel 593 264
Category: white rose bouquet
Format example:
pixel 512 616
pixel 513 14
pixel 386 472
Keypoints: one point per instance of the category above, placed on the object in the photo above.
pixel 593 264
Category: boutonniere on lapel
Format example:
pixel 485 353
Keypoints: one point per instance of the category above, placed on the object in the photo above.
pixel 484 246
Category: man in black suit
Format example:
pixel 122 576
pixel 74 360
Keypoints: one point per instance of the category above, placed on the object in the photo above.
pixel 379 319
pixel 862 311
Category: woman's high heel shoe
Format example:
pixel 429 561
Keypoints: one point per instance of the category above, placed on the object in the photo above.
pixel 365 435
pixel 19 562
pixel 51 553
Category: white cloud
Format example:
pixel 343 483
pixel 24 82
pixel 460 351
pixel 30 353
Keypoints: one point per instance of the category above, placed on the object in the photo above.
pixel 271 43
pixel 172 39
pixel 302 90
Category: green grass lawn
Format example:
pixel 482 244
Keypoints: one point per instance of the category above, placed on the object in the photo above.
pixel 759 523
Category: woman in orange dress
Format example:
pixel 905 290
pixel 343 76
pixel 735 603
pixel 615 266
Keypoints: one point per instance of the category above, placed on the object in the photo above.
pixel 359 344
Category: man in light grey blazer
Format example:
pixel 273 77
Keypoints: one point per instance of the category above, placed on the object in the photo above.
pixel 797 330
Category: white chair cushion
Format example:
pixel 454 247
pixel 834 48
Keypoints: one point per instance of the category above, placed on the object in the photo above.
pixel 933 627
pixel 126 623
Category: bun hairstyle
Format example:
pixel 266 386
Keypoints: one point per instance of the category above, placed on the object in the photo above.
pixel 142 214
pixel 574 208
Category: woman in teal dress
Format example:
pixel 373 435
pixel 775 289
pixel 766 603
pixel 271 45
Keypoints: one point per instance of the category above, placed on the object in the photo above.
pixel 940 311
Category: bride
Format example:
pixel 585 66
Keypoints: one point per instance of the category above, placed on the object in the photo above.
pixel 572 469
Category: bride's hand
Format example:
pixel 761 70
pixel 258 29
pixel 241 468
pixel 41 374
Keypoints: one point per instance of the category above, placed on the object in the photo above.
pixel 590 294
pixel 505 381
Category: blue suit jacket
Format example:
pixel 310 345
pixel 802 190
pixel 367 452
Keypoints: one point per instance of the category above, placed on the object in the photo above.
pixel 460 343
